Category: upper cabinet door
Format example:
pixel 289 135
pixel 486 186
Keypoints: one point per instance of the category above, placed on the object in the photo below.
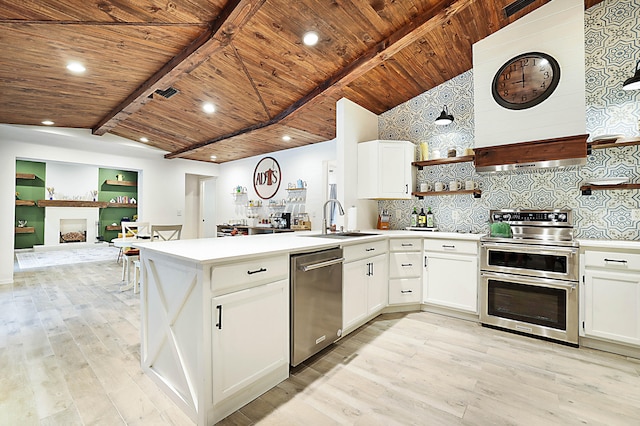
pixel 384 169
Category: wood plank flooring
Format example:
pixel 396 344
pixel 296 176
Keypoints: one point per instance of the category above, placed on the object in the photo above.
pixel 69 355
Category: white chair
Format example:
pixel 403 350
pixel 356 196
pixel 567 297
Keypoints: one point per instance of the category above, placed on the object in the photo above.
pixel 158 233
pixel 129 254
pixel 166 232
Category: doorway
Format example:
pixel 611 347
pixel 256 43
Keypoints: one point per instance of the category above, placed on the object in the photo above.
pixel 200 207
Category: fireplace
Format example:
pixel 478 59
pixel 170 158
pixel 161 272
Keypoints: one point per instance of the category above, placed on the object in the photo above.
pixel 62 220
pixel 73 230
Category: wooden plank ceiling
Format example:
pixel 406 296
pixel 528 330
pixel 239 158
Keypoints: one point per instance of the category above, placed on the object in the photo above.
pixel 246 57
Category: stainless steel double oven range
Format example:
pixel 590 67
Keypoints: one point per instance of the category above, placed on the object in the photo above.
pixel 529 283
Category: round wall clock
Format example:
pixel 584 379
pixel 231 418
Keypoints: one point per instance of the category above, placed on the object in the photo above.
pixel 525 80
pixel 267 177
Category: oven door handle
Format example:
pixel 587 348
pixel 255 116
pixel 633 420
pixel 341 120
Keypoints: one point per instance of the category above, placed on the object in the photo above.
pixel 541 249
pixel 527 280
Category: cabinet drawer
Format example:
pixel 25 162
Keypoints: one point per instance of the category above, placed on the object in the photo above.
pixel 405 244
pixel 451 246
pixel 612 260
pixel 404 290
pixel 361 251
pixel 236 276
pixel 405 264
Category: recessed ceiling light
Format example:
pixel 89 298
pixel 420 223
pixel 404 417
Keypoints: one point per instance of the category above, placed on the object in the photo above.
pixel 208 107
pixel 48 123
pixel 213 157
pixel 143 139
pixel 310 38
pixel 286 138
pixel 76 67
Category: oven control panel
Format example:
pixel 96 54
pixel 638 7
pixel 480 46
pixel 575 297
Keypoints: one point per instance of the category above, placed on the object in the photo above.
pixel 540 217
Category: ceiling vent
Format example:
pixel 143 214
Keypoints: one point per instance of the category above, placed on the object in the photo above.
pixel 167 93
pixel 516 7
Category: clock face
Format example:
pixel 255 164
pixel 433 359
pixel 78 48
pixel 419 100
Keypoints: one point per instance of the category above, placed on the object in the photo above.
pixel 526 80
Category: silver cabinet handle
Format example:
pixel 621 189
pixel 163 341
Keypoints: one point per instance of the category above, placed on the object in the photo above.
pixel 425 261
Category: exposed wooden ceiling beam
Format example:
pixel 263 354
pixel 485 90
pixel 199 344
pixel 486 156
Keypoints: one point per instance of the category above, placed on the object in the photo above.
pixel 235 15
pixel 379 53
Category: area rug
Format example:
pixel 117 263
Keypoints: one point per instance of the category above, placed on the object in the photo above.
pixel 42 259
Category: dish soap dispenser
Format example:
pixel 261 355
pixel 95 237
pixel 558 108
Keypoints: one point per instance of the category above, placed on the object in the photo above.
pixel 414 218
pixel 429 218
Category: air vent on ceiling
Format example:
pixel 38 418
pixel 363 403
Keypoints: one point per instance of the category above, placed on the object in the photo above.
pixel 168 92
pixel 516 7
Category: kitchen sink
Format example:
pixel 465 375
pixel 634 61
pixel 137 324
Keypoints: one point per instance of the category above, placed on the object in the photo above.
pixel 342 235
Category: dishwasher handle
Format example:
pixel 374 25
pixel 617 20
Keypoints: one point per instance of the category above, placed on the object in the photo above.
pixel 311 266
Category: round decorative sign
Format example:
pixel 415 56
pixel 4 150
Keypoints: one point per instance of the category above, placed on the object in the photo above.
pixel 267 177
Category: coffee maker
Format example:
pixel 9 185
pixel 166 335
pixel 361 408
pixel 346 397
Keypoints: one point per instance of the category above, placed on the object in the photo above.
pixel 281 220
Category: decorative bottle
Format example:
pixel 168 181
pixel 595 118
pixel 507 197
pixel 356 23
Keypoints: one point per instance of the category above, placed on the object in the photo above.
pixel 422 219
pixel 429 218
pixel 414 218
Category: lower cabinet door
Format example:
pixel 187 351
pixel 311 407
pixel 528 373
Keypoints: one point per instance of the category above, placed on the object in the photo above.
pixel 378 284
pixel 250 336
pixel 354 292
pixel 451 280
pixel 612 306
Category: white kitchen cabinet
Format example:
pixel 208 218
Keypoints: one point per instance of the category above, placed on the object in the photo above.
pixel 450 277
pixel 384 169
pixel 215 335
pixel 611 296
pixel 405 271
pixel 364 284
pixel 250 337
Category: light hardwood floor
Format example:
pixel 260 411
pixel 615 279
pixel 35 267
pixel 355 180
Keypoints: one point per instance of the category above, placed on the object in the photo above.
pixel 69 355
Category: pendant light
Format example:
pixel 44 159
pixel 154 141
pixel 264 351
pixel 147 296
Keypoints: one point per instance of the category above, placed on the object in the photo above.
pixel 445 118
pixel 633 83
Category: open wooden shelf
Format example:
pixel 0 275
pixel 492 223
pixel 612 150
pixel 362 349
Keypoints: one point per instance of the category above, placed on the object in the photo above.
pixel 25 230
pixel 611 144
pixel 439 161
pixel 120 183
pixel 113 228
pixel 25 203
pixel 72 203
pixel 126 205
pixel 476 193
pixel 29 176
pixel 586 189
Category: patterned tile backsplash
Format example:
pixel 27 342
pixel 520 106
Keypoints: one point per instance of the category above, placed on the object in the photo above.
pixel 612 38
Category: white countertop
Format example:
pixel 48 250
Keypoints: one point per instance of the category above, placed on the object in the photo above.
pixel 610 244
pixel 206 250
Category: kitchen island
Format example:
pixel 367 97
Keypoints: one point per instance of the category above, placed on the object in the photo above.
pixel 215 314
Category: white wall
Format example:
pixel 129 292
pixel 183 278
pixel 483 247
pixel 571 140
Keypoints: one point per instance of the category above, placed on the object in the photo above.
pixel 161 184
pixel 354 124
pixel 306 163
pixel 71 180
pixel 557 28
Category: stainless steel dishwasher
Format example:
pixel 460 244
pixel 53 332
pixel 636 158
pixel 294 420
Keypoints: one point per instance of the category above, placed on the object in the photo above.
pixel 316 302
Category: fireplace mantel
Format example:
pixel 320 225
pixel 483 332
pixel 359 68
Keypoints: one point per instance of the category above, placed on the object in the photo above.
pixel 72 203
